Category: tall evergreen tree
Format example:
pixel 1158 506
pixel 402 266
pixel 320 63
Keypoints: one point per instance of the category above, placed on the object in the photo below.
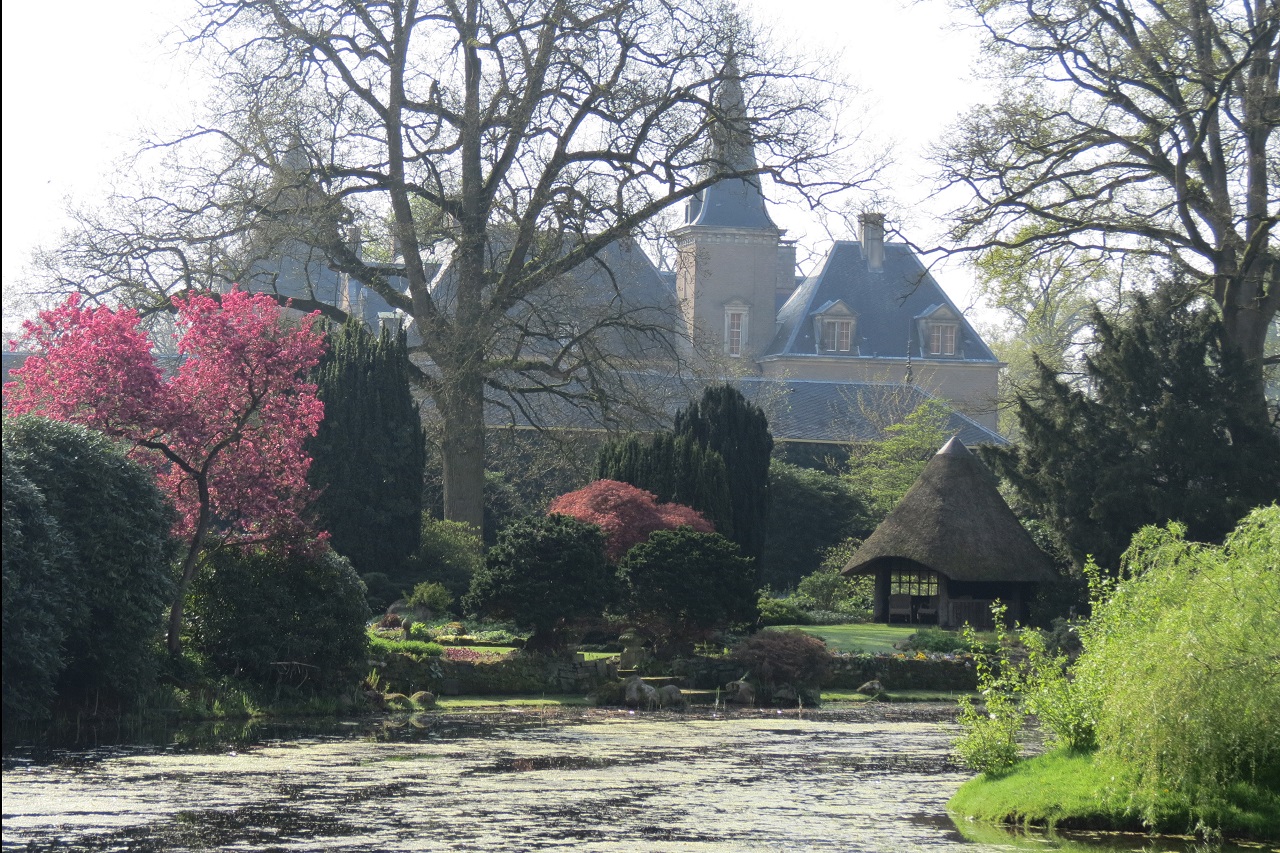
pixel 370 450
pixel 675 468
pixel 1167 433
pixel 724 421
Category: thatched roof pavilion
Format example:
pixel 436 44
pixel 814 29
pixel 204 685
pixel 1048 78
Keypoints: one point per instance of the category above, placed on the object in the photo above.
pixel 950 547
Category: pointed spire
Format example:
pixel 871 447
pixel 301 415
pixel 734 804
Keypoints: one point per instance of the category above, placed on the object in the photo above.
pixel 731 148
pixel 733 202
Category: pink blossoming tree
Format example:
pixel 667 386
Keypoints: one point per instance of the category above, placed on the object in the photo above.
pixel 224 432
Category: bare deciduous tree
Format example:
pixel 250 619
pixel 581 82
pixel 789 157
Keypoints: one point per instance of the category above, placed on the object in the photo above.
pixel 1134 127
pixel 514 151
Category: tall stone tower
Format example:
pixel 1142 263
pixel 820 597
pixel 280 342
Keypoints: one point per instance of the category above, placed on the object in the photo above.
pixel 728 248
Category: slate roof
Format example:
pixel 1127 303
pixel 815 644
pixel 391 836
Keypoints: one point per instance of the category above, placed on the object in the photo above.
pixel 798 410
pixel 887 303
pixel 731 203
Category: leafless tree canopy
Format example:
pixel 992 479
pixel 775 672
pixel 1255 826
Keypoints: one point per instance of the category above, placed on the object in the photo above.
pixel 1134 126
pixel 509 149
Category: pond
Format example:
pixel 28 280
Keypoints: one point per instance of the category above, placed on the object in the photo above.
pixel 861 779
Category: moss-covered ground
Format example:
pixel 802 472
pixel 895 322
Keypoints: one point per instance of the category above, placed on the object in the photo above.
pixel 1080 791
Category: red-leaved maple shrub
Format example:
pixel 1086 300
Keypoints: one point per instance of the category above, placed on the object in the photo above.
pixel 627 515
pixel 224 432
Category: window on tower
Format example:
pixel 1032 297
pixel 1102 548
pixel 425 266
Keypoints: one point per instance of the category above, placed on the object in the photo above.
pixel 735 331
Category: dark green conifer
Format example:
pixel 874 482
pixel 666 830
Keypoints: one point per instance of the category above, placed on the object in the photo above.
pixel 370 450
pixel 1164 433
pixel 724 421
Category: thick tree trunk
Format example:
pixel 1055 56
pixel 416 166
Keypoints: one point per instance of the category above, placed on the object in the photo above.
pixel 189 565
pixel 462 449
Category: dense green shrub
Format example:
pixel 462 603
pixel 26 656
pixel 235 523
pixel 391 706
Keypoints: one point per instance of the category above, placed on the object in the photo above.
pixel 809 512
pixel 431 597
pixel 274 618
pixel 38 599
pixel 1181 662
pixel 546 573
pixel 450 554
pixel 780 611
pixel 827 589
pixel 115 524
pixel 681 585
pixel 944 642
pixel 794 658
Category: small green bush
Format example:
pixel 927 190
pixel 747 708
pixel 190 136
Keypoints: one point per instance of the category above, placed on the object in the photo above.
pixel 432 597
pixel 944 642
pixel 421 631
pixel 780 611
pixel 546 572
pixel 989 743
pixel 450 554
pixel 827 589
pixel 682 585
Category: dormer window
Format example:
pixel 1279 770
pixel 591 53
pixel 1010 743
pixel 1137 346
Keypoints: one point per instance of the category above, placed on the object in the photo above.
pixel 938 332
pixel 942 338
pixel 837 335
pixel 834 328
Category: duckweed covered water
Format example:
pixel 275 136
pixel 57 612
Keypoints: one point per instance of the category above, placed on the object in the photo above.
pixel 873 779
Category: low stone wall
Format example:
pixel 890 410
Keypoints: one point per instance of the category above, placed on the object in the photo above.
pixel 849 672
pixel 523 674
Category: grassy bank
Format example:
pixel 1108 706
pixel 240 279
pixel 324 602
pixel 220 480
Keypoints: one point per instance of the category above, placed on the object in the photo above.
pixel 1081 791
pixel 870 637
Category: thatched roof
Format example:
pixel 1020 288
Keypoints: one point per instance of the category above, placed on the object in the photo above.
pixel 954 521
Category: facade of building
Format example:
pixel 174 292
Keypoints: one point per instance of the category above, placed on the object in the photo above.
pixel 870 317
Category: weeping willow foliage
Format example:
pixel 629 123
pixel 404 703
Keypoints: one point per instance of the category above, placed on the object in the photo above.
pixel 1186 656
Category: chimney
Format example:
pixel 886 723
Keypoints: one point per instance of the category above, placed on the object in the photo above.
pixel 872 239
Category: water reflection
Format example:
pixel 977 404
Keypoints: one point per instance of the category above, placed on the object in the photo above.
pixel 862 780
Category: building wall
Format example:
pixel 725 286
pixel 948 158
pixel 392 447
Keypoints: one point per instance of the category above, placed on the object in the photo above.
pixel 970 386
pixel 716 267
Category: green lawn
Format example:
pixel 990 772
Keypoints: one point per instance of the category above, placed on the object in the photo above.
pixel 863 637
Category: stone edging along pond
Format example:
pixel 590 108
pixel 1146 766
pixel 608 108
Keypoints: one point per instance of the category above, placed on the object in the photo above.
pixel 532 674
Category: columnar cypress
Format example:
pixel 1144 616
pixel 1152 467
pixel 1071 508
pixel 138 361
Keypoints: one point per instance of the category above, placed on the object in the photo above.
pixel 370 451
pixel 724 421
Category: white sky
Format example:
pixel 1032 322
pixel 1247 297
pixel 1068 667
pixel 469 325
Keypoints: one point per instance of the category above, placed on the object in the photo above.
pixel 83 78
